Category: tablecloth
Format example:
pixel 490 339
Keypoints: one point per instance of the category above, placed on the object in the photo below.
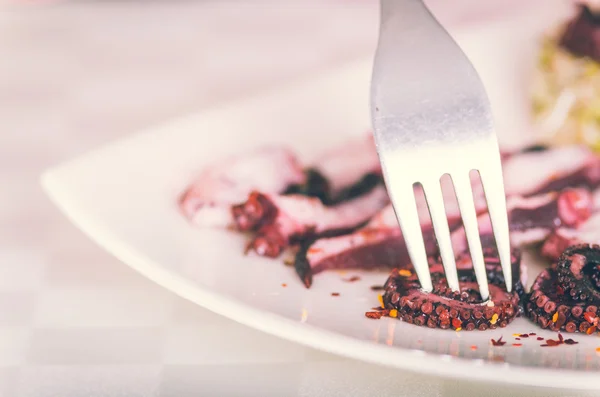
pixel 74 321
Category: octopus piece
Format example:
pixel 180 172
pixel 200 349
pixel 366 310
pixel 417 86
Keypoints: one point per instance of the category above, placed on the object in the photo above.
pixel 562 238
pixel 318 186
pixel 464 309
pixel 535 172
pixel 282 220
pixel 533 219
pixel 566 295
pixel 379 244
pixel 582 35
pixel 268 169
pixel 343 165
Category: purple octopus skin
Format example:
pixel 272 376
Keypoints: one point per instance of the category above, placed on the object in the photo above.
pixel 279 221
pixel 566 296
pixel 582 35
pixel 533 219
pixel 533 173
pixel 380 243
pixel 464 309
pixel 229 181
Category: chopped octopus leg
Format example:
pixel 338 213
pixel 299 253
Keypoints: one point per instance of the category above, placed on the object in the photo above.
pixel 564 237
pixel 379 244
pixel 281 220
pixel 532 173
pixel 464 309
pixel 566 295
pixel 533 219
pixel 269 169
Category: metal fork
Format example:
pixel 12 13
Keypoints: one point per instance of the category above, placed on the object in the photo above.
pixel 431 117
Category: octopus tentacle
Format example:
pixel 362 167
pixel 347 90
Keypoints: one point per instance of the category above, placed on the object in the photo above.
pixel 282 220
pixel 444 308
pixel 566 295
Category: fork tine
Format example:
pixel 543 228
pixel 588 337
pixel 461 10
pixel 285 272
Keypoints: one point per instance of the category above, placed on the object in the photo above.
pixel 493 186
pixel 437 211
pixel 406 212
pixel 464 194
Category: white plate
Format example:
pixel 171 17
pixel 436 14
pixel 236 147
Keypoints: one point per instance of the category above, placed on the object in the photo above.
pixel 124 196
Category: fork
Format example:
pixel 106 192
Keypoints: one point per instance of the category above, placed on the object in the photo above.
pixel 431 117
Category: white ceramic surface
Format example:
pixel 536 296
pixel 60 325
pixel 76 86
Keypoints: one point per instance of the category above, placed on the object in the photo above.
pixel 124 196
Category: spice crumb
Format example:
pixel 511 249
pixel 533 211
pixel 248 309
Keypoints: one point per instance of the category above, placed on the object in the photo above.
pixel 532 334
pixel 517 338
pixel 498 342
pixel 555 317
pixel 351 279
pixel 570 342
pixel 405 272
pixel 540 338
pixel 516 335
pixel 374 315
pixel 377 288
pixel 284 285
pixel 590 330
pixel 380 299
pixel 335 294
pixel 394 313
pixel 598 350
pixel 473 347
pixel 517 344
pixel 494 318
pixel 524 336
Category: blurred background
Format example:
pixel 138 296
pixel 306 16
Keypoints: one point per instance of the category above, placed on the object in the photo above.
pixel 76 74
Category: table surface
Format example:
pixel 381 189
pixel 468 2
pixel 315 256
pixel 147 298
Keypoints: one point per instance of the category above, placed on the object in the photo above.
pixel 73 320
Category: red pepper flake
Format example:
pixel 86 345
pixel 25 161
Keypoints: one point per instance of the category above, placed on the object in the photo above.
pixel 517 338
pixel 532 334
pixel 498 342
pixel 590 330
pixel 473 347
pixel 560 341
pixel 375 315
pixel 517 344
pixel 540 338
pixel 335 294
pixel 284 285
pixel 456 323
pixel 351 279
pixel 377 288
pixel 524 336
pixel 589 317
